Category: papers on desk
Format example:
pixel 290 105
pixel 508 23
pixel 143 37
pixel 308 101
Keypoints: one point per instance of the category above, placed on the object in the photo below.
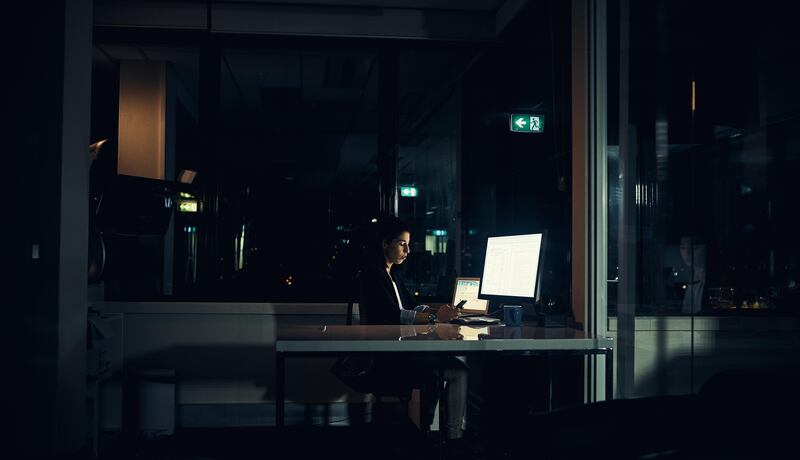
pixel 475 321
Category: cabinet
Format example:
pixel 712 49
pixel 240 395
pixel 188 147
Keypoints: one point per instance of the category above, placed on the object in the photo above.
pixel 103 375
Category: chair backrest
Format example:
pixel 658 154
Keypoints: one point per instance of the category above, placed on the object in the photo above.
pixel 352 297
pixel 353 379
pixel 349 318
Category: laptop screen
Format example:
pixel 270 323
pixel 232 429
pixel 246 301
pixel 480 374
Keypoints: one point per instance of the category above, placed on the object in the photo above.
pixel 467 289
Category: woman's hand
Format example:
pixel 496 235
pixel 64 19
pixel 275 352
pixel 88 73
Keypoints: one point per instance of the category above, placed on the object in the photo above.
pixel 446 313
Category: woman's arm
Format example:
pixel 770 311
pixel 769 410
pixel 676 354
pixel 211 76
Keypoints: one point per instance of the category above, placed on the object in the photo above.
pixel 443 314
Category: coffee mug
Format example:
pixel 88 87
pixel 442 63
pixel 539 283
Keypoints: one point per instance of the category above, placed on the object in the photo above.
pixel 512 315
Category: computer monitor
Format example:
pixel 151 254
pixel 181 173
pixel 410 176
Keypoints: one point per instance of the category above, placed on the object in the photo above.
pixel 512 268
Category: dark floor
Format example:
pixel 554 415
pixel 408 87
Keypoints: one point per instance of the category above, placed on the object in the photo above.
pixel 405 442
pixel 395 441
pixel 736 415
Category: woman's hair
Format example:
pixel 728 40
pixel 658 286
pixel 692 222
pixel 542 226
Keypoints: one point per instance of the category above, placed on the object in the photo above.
pixel 390 228
pixel 384 231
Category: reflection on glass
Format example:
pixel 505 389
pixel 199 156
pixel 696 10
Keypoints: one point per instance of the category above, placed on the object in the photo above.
pixel 711 129
pixel 297 138
pixel 427 159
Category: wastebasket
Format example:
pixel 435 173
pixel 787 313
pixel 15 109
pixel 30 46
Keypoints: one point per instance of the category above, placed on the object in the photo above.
pixel 155 402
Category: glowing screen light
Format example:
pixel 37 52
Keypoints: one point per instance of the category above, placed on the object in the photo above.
pixel 187 205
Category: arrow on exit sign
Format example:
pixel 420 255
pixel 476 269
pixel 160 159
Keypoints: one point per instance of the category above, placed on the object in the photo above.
pixel 526 123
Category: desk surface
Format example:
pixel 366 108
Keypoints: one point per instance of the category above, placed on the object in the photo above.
pixel 441 337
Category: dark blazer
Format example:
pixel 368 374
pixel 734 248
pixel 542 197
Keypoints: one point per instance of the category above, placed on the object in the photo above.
pixel 377 302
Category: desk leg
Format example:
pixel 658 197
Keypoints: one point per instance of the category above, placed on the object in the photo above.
pixel 440 399
pixel 549 382
pixel 280 368
pixel 609 374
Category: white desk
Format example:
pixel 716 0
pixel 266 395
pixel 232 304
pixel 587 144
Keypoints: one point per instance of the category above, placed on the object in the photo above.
pixel 441 339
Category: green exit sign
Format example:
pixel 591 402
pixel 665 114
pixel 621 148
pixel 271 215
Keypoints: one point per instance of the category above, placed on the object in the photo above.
pixel 408 191
pixel 526 123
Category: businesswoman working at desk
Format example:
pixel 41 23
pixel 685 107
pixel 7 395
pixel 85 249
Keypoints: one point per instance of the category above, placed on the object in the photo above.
pixel 385 300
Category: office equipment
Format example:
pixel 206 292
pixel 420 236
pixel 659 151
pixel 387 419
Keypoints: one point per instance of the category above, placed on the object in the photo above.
pixel 133 205
pixel 475 321
pixel 512 269
pixel 475 309
pixel 466 289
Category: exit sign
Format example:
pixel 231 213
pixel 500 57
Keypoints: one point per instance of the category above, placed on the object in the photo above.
pixel 408 191
pixel 526 123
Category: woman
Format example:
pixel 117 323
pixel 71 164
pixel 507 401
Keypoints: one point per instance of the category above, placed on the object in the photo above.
pixel 385 300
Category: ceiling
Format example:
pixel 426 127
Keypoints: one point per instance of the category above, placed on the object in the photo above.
pixel 456 5
pixel 310 103
pixel 470 20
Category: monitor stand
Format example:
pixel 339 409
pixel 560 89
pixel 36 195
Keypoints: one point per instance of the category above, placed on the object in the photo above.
pixel 553 315
pixel 546 313
pixel 530 311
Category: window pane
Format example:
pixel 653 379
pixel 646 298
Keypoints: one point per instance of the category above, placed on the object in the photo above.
pixel 296 148
pixel 518 182
pixel 711 129
pixel 426 173
pixel 703 130
pixel 145 108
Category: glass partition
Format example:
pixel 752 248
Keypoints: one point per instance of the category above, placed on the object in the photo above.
pixel 428 165
pixel 296 154
pixel 703 132
pixel 710 130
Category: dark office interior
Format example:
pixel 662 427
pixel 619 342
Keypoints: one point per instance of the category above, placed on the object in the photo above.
pixel 186 181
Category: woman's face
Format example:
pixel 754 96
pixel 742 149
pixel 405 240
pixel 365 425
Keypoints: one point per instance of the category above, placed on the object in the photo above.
pixel 396 251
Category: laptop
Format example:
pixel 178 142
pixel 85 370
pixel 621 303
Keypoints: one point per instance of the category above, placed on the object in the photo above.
pixel 474 309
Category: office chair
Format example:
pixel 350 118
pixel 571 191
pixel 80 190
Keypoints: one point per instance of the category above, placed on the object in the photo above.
pixel 348 370
pixel 358 373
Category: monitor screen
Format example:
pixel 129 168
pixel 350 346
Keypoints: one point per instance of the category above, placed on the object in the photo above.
pixel 511 267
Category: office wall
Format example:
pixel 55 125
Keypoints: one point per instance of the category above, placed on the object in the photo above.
pixel 45 112
pixel 676 355
pixel 223 356
pixel 73 212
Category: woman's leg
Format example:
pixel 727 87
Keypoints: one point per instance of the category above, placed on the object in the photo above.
pixel 454 397
pixel 455 374
pixel 423 373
